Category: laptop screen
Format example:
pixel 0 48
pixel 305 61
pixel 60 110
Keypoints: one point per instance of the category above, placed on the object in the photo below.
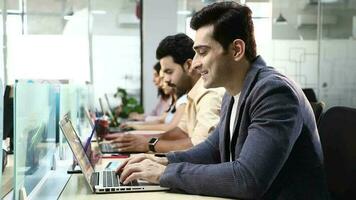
pixel 87 115
pixel 77 148
pixel 111 115
pixel 107 101
pixel 101 106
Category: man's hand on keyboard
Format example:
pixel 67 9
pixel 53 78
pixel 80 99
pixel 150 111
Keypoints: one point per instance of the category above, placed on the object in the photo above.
pixel 140 157
pixel 147 170
pixel 143 166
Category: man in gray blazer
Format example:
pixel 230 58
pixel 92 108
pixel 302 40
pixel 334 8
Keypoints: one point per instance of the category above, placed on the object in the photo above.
pixel 266 145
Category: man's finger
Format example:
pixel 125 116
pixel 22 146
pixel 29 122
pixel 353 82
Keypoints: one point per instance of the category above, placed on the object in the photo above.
pixel 122 166
pixel 124 138
pixel 134 159
pixel 127 149
pixel 133 176
pixel 119 145
pixel 128 170
pixel 137 159
pixel 112 136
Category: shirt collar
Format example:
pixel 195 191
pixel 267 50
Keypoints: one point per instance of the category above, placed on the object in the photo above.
pixel 197 90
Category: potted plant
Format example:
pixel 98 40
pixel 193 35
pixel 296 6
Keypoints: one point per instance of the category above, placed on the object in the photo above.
pixel 128 104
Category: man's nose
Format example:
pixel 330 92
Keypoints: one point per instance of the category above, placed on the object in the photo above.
pixel 165 78
pixel 196 63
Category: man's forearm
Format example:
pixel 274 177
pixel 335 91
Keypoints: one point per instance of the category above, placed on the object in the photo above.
pixel 174 134
pixel 164 146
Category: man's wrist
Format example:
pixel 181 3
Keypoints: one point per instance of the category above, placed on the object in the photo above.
pixel 152 143
pixel 163 161
pixel 161 158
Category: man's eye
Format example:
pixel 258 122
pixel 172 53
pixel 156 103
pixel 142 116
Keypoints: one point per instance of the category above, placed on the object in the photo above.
pixel 202 51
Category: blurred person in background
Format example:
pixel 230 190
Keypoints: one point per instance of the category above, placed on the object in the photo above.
pixel 170 118
pixel 164 100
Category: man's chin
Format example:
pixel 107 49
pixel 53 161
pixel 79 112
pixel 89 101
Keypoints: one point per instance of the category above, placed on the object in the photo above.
pixel 207 84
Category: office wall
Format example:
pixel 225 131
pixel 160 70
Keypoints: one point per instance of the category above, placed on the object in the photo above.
pixel 55 43
pixel 301 19
pixel 116 61
pixel 334 83
pixel 47 57
pixel 115 48
pixel 159 20
pixel 326 65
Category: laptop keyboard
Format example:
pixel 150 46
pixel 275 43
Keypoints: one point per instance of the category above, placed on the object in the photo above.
pixel 106 147
pixel 111 179
pixel 95 179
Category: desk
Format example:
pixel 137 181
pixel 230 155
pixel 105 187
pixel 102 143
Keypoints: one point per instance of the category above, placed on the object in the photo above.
pixel 78 189
pixel 7 177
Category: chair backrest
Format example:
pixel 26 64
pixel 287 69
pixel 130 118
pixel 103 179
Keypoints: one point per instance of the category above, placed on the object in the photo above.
pixel 318 108
pixel 310 94
pixel 337 129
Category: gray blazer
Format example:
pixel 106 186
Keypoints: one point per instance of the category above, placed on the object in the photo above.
pixel 275 146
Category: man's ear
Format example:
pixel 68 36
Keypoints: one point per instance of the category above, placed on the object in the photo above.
pixel 188 65
pixel 238 48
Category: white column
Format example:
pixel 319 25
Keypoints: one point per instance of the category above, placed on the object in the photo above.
pixel 159 21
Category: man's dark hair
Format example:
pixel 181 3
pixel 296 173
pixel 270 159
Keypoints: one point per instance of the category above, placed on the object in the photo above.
pixel 157 67
pixel 231 21
pixel 179 46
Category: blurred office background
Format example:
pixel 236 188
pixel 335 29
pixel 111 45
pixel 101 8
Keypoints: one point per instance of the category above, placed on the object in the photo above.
pixel 112 43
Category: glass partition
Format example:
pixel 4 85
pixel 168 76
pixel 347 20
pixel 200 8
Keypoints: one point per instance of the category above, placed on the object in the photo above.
pixel 68 104
pixel 39 105
pixel 8 136
pixel 337 53
pixel 85 101
pixel 74 100
pixel 34 132
pixel 1 131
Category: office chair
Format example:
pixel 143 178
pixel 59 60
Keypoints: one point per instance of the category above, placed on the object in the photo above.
pixel 318 108
pixel 337 129
pixel 310 94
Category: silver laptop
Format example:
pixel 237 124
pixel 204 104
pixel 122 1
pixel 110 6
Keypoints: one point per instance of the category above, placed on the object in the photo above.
pixel 109 105
pixel 100 181
pixel 111 116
